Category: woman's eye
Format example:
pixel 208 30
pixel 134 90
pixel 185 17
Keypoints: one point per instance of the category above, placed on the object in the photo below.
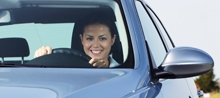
pixel 89 39
pixel 102 39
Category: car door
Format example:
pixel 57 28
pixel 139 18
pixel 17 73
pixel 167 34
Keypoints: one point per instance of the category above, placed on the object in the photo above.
pixel 171 88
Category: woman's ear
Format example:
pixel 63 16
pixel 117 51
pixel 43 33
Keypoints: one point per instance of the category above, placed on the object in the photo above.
pixel 113 39
pixel 80 35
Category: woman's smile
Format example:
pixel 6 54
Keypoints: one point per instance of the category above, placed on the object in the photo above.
pixel 96 52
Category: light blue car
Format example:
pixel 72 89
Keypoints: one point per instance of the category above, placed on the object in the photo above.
pixel 146 64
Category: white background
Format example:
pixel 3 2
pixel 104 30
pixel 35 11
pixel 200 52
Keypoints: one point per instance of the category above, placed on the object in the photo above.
pixel 194 23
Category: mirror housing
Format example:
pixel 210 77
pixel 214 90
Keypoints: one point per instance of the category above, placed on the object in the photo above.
pixel 184 62
pixel 5 16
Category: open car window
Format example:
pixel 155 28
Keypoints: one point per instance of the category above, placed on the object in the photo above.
pixel 54 24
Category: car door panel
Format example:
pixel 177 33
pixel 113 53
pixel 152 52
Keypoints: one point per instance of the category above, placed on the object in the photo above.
pixel 151 91
pixel 175 88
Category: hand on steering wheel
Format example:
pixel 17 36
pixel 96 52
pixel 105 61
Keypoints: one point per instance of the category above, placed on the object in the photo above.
pixel 60 57
pixel 43 51
pixel 93 61
pixel 98 63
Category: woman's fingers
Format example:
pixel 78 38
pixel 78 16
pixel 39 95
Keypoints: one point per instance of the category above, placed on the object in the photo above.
pixel 98 63
pixel 49 49
pixel 101 65
pixel 43 51
pixel 37 53
pixel 93 60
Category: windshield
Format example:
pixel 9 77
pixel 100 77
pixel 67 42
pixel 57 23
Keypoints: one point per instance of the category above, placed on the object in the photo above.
pixel 61 25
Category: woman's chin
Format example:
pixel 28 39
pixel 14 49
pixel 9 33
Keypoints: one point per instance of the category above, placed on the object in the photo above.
pixel 97 57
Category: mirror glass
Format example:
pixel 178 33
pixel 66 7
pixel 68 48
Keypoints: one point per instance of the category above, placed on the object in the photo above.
pixel 5 17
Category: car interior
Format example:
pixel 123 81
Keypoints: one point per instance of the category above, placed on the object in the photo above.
pixel 50 14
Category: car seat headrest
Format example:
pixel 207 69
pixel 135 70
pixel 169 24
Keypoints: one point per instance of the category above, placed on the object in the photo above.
pixel 13 47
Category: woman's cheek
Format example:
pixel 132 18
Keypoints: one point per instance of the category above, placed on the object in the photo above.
pixel 107 46
pixel 86 47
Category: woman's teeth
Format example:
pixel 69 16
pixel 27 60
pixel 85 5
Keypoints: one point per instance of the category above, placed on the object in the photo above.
pixel 96 52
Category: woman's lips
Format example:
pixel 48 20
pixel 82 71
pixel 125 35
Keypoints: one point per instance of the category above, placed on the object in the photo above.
pixel 96 52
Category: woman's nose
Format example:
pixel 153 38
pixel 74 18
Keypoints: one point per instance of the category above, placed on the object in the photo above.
pixel 95 43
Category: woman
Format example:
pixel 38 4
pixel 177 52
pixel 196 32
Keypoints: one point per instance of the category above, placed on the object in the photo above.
pixel 97 37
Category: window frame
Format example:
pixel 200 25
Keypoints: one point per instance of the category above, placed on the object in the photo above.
pixel 162 30
pixel 152 59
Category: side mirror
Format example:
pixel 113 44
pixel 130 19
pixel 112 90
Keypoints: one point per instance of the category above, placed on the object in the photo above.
pixel 5 16
pixel 184 62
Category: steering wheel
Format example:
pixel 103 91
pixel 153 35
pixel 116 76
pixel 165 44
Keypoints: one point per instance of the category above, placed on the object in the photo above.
pixel 72 52
pixel 63 57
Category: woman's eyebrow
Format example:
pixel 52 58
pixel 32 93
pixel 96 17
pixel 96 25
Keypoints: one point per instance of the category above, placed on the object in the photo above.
pixel 102 35
pixel 88 35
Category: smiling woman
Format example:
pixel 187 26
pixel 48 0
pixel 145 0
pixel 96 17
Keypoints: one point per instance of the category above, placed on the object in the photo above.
pixel 101 24
pixel 98 38
pixel 97 34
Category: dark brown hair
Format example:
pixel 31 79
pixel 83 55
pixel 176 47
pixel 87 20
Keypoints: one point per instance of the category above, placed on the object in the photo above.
pixel 100 18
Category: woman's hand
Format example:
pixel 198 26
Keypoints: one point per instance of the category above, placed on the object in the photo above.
pixel 98 63
pixel 42 51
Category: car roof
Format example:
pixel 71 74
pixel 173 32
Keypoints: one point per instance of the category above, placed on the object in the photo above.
pixel 18 3
pixel 25 11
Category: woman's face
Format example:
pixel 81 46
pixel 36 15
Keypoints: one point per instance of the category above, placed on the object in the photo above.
pixel 97 41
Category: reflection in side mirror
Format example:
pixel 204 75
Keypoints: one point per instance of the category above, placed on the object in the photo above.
pixel 185 62
pixel 5 17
